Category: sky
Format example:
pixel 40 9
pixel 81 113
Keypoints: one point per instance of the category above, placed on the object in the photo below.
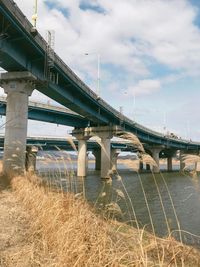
pixel 149 53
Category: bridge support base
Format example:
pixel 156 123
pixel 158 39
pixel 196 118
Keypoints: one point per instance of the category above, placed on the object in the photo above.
pixel 18 86
pixel 182 164
pixel 104 135
pixel 97 154
pixel 169 164
pixel 105 157
pixel 148 168
pixel 31 153
pixel 114 155
pixel 82 158
pixel 141 165
pixel 155 154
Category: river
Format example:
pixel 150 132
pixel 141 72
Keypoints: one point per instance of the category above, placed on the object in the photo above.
pixel 178 190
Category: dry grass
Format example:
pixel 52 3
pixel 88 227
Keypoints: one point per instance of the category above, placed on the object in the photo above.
pixel 18 247
pixel 65 231
pixel 58 229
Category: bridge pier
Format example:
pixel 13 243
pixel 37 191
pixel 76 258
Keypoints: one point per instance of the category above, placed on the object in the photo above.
pixel 148 168
pixel 18 86
pixel 114 155
pixel 141 165
pixel 30 163
pixel 105 156
pixel 182 164
pixel 169 164
pixel 82 158
pixel 104 133
pixel 97 154
pixel 155 155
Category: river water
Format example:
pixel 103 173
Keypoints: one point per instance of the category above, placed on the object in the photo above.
pixel 180 196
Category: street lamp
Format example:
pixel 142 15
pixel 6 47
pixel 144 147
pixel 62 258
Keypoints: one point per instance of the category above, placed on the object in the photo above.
pixel 98 71
pixel 34 17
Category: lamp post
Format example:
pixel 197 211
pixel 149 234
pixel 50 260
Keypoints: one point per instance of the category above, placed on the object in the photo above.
pixel 98 71
pixel 34 17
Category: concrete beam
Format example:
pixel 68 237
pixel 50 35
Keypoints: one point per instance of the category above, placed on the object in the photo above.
pixel 108 131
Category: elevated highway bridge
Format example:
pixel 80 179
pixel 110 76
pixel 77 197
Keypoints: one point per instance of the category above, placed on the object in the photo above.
pixel 31 64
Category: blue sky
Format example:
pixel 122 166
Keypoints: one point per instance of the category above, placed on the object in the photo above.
pixel 149 56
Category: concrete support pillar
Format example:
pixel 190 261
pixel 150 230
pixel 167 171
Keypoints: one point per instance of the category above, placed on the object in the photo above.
pixel 169 164
pixel 104 135
pixel 105 157
pixel 182 164
pixel 114 155
pixel 155 155
pixel 148 167
pixel 31 153
pixel 82 155
pixel 97 154
pixel 141 165
pixel 18 86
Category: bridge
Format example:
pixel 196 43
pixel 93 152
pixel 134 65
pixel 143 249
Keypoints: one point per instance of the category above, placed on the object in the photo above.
pixel 33 144
pixel 31 64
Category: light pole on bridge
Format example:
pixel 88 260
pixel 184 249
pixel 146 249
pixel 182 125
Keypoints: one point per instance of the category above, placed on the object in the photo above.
pixel 98 71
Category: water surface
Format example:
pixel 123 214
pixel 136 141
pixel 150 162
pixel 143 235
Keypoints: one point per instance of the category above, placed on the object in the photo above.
pixel 184 191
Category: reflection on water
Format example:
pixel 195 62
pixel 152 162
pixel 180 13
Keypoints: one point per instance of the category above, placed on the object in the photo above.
pixel 184 191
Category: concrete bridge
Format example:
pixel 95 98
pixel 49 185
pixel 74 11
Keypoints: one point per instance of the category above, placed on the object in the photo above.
pixel 34 144
pixel 31 64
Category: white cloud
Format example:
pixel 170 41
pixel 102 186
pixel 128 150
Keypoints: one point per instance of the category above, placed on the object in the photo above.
pixel 144 87
pixel 127 32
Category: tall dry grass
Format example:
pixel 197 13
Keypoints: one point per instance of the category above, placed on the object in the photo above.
pixel 68 229
pixel 69 232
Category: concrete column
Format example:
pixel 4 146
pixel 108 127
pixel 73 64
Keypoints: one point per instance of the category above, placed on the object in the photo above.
pixel 182 164
pixel 31 153
pixel 169 164
pixel 105 157
pixel 18 86
pixel 148 167
pixel 114 155
pixel 104 133
pixel 82 155
pixel 97 154
pixel 141 165
pixel 155 155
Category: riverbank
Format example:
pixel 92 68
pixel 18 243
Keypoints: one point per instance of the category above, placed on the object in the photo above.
pixel 43 228
pixel 18 247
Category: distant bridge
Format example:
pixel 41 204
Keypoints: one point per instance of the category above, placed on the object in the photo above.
pixel 64 116
pixel 62 143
